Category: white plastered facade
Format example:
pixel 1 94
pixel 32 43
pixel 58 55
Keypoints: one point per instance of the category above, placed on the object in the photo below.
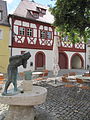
pixel 48 58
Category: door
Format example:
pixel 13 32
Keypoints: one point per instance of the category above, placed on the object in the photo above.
pixel 40 60
pixel 63 61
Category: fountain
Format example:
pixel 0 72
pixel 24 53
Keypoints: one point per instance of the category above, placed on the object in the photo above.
pixel 22 100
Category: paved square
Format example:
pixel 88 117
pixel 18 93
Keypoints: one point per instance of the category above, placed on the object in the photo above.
pixel 66 103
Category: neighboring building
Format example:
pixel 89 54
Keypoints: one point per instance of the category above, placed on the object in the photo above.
pixel 32 30
pixel 4 37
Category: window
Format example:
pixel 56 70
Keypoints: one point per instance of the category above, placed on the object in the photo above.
pixel 46 35
pixel 0 15
pixel 25 31
pixel 65 38
pixel 49 35
pixel 43 11
pixel 29 32
pixel 21 31
pixel 1 34
pixel 43 34
pixel 22 52
pixel 36 15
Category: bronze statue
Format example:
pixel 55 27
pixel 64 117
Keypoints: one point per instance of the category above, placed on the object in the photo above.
pixel 12 70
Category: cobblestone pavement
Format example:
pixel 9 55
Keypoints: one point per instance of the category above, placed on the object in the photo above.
pixel 66 103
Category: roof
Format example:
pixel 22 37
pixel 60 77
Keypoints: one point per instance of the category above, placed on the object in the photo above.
pixel 3 9
pixel 25 6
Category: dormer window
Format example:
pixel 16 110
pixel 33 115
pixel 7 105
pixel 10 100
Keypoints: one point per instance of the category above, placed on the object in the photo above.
pixel 35 14
pixel 41 10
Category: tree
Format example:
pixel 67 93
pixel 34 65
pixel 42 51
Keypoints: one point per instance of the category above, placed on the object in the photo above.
pixel 72 18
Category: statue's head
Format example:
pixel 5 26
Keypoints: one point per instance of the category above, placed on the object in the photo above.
pixel 26 56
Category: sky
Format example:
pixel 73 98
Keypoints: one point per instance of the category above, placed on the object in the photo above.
pixel 12 4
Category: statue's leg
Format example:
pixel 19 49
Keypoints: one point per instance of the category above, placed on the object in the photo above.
pixel 8 82
pixel 15 80
pixel 15 85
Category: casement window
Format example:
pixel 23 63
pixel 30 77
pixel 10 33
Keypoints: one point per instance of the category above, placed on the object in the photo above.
pixel 46 35
pixel 25 31
pixel 36 15
pixel 43 34
pixel 49 35
pixel 29 32
pixel 0 15
pixel 1 34
pixel 21 31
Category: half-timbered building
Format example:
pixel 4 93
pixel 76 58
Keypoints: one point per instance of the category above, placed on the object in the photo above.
pixel 33 31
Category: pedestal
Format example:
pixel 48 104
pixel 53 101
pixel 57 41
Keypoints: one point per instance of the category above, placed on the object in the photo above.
pixel 20 113
pixel 21 104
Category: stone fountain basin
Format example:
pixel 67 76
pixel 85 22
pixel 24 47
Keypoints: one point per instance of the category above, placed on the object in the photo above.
pixel 29 98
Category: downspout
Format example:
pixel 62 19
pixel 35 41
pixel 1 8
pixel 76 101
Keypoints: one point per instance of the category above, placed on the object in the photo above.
pixel 11 34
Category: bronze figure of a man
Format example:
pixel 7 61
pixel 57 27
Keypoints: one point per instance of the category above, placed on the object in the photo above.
pixel 12 70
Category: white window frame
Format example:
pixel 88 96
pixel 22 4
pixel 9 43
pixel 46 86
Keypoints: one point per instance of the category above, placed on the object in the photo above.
pixel 46 34
pixel 43 34
pixel 1 34
pixel 29 32
pixel 49 35
pixel 21 31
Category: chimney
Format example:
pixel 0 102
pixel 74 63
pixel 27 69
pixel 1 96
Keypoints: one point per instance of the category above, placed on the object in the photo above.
pixel 24 0
pixel 32 1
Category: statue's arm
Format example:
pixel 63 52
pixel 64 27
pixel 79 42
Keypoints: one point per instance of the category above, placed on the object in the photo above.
pixel 26 56
pixel 15 60
pixel 15 57
pixel 19 59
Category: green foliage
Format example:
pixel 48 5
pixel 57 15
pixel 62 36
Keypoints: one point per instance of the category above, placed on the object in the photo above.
pixel 72 18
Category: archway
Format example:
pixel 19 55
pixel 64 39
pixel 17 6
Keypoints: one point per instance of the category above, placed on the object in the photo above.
pixel 40 60
pixel 63 60
pixel 76 61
